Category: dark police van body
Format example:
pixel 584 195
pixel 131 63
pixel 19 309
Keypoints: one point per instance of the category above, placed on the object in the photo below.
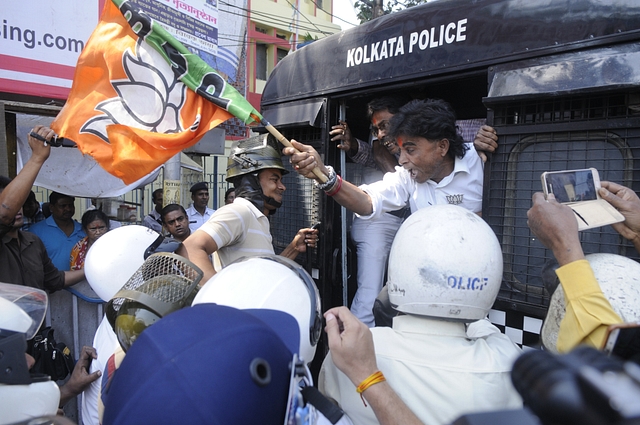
pixel 559 81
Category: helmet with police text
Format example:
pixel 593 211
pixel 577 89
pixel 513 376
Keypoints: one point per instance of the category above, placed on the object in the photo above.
pixel 207 364
pixel 164 283
pixel 114 257
pixel 22 395
pixel 619 279
pixel 445 262
pixel 270 282
pixel 251 155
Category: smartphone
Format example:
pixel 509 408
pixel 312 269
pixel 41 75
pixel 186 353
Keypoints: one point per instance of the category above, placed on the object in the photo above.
pixel 623 340
pixel 572 185
pixel 578 189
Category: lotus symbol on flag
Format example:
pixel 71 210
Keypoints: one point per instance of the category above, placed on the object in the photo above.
pixel 139 96
pixel 149 99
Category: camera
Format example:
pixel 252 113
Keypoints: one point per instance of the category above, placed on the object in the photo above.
pixel 584 387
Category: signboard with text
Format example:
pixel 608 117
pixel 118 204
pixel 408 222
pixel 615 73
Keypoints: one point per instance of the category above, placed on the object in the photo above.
pixel 40 42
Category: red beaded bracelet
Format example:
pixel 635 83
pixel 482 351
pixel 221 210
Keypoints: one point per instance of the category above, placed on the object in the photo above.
pixel 336 188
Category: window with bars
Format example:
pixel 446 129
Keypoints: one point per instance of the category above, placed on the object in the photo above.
pixel 553 139
pixel 261 61
pixel 301 203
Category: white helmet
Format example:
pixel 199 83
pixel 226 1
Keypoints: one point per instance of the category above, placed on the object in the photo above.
pixel 619 279
pixel 114 257
pixel 22 396
pixel 445 262
pixel 271 282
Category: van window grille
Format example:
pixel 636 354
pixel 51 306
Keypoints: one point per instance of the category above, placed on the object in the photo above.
pixel 566 109
pixel 515 175
pixel 301 205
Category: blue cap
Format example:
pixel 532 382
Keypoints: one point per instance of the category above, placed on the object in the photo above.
pixel 206 364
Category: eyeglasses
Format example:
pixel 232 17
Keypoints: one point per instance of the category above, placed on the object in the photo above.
pixel 382 127
pixel 99 229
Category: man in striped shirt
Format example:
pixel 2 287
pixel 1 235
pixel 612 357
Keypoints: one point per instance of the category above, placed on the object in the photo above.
pixel 241 229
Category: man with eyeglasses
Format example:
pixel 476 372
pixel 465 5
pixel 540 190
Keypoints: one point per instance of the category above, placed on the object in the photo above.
pixel 373 237
pixel 175 221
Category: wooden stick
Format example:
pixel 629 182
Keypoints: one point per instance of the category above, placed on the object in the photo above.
pixel 271 129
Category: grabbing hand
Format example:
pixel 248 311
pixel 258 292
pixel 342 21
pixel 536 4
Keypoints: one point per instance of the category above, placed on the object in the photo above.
pixel 304 159
pixel 80 376
pixel 41 150
pixel 351 344
pixel 305 238
pixel 486 140
pixel 342 134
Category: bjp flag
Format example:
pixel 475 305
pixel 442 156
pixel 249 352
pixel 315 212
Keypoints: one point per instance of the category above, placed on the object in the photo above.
pixel 139 96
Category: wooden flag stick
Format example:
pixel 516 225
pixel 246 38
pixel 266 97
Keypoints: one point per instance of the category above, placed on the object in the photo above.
pixel 271 129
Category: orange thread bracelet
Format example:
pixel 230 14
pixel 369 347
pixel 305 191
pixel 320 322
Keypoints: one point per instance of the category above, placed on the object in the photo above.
pixel 374 378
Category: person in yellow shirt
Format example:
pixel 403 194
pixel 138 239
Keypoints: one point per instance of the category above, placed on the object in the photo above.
pixel 588 313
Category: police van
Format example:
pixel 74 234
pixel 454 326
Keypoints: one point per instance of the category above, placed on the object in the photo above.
pixel 558 80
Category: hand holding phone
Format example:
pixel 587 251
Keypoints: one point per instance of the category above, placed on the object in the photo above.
pixel 578 189
pixel 623 340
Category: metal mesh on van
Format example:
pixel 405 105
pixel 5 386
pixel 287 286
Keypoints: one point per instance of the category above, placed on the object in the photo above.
pixel 301 204
pixel 551 135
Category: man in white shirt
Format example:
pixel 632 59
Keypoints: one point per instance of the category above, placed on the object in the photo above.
pixel 442 357
pixel 199 211
pixel 436 166
pixel 153 220
pixel 373 237
pixel 242 229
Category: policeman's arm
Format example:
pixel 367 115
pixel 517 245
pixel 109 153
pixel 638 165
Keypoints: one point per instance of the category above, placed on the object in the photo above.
pixel 306 159
pixel 304 238
pixel 197 248
pixel 352 351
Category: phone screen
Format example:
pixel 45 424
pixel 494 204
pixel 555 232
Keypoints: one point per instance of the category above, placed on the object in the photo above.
pixel 572 186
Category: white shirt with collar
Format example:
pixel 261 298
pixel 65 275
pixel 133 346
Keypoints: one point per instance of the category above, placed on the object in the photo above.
pixel 436 367
pixel 462 187
pixel 196 219
pixel 153 221
pixel 239 230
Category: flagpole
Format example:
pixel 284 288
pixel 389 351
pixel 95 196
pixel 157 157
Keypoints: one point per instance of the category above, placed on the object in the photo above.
pixel 280 138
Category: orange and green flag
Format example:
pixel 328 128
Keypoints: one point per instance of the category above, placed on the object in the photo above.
pixel 139 96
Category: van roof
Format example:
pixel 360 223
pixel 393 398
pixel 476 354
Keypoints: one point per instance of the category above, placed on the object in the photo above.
pixel 447 36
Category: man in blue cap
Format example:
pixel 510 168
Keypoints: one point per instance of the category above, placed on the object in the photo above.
pixel 212 364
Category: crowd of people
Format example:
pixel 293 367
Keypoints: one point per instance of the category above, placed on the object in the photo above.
pixel 440 358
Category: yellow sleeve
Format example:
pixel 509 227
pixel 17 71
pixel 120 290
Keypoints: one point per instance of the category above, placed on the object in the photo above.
pixel 588 313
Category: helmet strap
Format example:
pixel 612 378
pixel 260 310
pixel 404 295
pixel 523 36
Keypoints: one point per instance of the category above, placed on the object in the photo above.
pixel 248 186
pixel 270 201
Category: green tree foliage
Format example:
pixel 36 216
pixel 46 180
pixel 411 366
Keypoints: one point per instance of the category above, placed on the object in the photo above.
pixel 364 8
